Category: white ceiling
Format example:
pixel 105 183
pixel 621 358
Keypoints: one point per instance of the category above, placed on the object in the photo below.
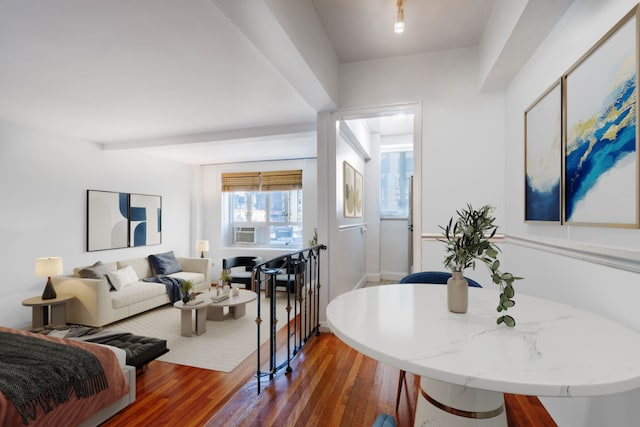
pixel 361 30
pixel 192 79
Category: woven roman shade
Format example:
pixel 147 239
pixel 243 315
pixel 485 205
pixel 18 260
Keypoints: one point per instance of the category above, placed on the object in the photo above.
pixel 262 181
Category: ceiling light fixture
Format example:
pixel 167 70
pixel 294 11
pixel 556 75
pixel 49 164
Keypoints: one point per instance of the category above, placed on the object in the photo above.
pixel 398 27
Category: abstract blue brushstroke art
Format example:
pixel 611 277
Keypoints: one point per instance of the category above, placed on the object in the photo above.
pixel 543 152
pixel 600 156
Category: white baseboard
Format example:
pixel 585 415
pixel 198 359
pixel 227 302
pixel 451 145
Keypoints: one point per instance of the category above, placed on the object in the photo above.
pixel 373 277
pixel 389 275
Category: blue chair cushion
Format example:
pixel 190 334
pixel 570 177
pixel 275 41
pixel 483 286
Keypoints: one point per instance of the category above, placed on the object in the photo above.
pixel 384 420
pixel 434 277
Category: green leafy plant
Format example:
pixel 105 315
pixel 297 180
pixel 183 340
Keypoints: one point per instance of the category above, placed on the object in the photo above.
pixel 468 240
pixel 186 286
pixel 225 277
pixel 314 239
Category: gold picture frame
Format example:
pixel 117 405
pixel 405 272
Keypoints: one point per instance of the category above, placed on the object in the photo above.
pixel 353 185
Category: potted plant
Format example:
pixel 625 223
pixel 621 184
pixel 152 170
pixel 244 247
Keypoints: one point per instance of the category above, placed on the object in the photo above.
pixel 313 242
pixel 186 287
pixel 225 277
pixel 468 240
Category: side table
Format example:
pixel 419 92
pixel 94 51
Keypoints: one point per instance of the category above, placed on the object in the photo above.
pixel 185 316
pixel 40 310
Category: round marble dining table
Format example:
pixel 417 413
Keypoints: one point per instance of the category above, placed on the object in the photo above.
pixel 467 361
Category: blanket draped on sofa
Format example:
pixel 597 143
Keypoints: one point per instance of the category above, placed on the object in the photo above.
pixel 173 285
pixel 36 372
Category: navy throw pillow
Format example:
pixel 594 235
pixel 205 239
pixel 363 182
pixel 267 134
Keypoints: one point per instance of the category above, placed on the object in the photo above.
pixel 165 263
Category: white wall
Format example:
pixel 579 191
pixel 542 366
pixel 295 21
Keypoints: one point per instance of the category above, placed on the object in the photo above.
pixel 394 249
pixel 212 208
pixel 605 290
pixel 372 210
pixel 462 130
pixel 43 182
pixel 348 253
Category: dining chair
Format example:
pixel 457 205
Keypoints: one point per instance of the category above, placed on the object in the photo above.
pixel 428 278
pixel 241 275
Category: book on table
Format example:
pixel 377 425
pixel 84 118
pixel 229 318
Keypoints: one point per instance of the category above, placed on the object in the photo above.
pixel 220 298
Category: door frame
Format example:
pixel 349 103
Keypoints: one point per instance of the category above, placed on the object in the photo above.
pixel 380 111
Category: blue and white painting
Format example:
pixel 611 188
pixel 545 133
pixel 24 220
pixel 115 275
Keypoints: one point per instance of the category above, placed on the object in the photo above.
pixel 600 156
pixel 107 220
pixel 145 220
pixel 543 153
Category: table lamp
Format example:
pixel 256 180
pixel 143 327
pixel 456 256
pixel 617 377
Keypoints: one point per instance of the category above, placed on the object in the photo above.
pixel 202 246
pixel 47 267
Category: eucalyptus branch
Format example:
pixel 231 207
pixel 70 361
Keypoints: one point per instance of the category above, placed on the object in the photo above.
pixel 467 241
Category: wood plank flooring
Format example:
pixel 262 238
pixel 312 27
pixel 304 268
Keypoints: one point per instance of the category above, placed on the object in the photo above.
pixel 330 385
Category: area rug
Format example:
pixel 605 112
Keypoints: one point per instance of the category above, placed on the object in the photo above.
pixel 223 346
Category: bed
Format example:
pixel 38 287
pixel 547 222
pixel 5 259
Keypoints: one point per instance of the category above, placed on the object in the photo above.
pixel 111 385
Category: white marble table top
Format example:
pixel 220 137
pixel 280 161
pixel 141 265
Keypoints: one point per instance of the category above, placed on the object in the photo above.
pixel 554 350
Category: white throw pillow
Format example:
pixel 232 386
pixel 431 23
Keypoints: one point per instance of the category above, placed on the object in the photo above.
pixel 122 277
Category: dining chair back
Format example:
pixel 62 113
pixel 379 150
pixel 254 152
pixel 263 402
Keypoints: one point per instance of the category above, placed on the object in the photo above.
pixel 434 278
pixel 429 278
pixel 244 274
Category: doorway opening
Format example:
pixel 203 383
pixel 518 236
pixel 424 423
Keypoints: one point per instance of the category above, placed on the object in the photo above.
pixel 391 138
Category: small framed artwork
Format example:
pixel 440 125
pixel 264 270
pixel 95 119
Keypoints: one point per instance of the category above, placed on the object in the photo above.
pixel 107 220
pixel 358 195
pixel 543 157
pixel 352 185
pixel 145 220
pixel 601 109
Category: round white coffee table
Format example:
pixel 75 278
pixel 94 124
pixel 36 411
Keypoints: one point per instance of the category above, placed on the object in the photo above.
pixel 237 305
pixel 200 307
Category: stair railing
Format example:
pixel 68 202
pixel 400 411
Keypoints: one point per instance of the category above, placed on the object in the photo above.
pixel 299 272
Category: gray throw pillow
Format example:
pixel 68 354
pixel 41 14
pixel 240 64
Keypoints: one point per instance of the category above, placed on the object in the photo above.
pixel 165 263
pixel 96 271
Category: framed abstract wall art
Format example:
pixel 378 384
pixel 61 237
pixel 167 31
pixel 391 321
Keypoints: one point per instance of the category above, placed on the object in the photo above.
pixel 120 220
pixel 543 157
pixel 107 220
pixel 352 189
pixel 358 195
pixel 601 155
pixel 145 220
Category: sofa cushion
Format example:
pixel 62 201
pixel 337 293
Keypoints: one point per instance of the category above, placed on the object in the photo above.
pixel 122 277
pixel 141 266
pixel 188 275
pixel 165 263
pixel 96 271
pixel 137 292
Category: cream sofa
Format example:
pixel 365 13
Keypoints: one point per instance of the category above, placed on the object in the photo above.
pixel 96 304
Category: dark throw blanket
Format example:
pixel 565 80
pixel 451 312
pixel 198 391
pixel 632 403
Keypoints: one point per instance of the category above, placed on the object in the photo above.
pixel 37 372
pixel 172 284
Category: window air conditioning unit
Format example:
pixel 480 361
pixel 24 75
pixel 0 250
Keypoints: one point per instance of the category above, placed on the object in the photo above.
pixel 244 235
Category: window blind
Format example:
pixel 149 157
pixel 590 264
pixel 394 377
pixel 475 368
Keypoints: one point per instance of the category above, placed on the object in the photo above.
pixel 262 181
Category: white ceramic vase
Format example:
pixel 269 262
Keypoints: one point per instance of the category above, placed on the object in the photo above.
pixel 457 293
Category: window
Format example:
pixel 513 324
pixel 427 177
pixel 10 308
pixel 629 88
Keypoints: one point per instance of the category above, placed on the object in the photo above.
pixel 270 218
pixel 265 208
pixel 396 168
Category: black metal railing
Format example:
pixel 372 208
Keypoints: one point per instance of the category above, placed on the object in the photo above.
pixel 299 273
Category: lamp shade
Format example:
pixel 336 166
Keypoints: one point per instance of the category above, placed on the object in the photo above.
pixel 202 245
pixel 47 267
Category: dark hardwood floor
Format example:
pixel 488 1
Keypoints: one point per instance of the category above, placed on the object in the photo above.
pixel 331 385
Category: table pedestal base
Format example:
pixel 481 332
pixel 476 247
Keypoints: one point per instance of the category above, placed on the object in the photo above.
pixel 448 405
pixel 186 321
